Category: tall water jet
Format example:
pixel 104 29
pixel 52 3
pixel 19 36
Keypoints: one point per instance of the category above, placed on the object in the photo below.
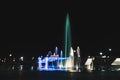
pixel 78 51
pixel 39 63
pixel 72 57
pixel 46 62
pixel 67 37
pixel 49 53
pixel 78 65
pixel 61 60
pixel 70 60
pixel 56 50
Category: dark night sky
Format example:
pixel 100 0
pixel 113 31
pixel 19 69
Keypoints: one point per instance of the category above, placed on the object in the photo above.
pixel 34 28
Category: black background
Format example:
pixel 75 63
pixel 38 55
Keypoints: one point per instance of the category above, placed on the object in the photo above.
pixel 34 28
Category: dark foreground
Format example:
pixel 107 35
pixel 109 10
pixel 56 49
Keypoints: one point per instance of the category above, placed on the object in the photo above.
pixel 57 75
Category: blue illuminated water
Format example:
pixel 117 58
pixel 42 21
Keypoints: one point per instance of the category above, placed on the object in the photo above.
pixel 52 62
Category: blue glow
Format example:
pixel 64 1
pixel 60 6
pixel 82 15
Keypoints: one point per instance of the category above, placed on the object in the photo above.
pixel 57 63
pixel 46 63
pixel 56 50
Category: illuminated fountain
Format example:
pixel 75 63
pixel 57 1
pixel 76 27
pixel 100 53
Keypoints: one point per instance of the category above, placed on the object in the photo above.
pixel 39 63
pixel 63 60
pixel 70 60
pixel 67 42
pixel 53 61
pixel 77 64
pixel 46 62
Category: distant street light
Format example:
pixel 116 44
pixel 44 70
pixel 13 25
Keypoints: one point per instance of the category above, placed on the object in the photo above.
pixel 13 59
pixel 10 55
pixel 110 49
pixel 21 58
pixel 32 58
pixel 101 53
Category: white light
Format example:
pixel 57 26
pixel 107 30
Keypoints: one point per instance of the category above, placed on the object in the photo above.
pixel 10 55
pixel 13 59
pixel 21 67
pixel 13 67
pixel 101 53
pixel 60 65
pixel 21 58
pixel 39 62
pixel 88 64
pixel 31 67
pixel 32 58
pixel 89 61
pixel 71 52
pixel 46 63
pixel 116 61
pixel 74 51
pixel 93 58
pixel 103 56
pixel 110 49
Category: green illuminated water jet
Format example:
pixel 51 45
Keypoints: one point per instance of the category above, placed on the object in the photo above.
pixel 67 43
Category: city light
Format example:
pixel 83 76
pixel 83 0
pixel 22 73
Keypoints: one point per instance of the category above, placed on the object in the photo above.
pixel 101 53
pixel 10 55
pixel 32 58
pixel 21 67
pixel 88 64
pixel 2 60
pixel 116 61
pixel 13 59
pixel 110 49
pixel 32 67
pixel 21 58
pixel 103 56
pixel 108 57
pixel 13 67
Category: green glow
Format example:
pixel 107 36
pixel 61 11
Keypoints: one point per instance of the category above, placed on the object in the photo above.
pixel 67 37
